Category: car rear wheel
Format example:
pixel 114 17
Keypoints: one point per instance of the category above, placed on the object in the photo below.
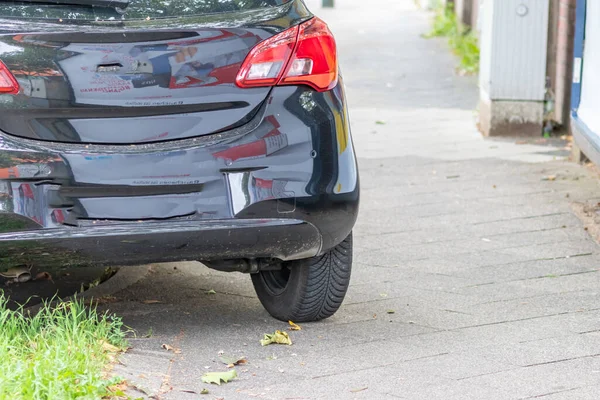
pixel 307 290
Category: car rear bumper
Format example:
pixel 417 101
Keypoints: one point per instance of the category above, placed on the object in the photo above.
pixel 283 186
pixel 163 242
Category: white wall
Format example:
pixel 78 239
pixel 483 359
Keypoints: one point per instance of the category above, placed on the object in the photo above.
pixel 589 108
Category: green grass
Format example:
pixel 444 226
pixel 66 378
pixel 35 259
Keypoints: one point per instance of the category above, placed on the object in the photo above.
pixel 62 352
pixel 461 39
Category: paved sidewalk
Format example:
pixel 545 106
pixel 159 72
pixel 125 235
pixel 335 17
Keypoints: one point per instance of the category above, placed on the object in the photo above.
pixel 492 280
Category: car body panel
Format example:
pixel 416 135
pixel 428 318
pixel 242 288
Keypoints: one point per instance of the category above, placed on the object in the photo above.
pixel 284 185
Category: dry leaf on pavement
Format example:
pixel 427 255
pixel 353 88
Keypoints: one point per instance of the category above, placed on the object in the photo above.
pixel 168 347
pixel 231 361
pixel 109 347
pixel 294 326
pixel 43 276
pixel 105 299
pixel 278 337
pixel 217 377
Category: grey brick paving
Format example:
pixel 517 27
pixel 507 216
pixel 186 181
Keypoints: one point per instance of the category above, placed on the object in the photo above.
pixel 493 280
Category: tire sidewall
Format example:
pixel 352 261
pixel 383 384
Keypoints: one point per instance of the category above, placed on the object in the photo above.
pixel 282 304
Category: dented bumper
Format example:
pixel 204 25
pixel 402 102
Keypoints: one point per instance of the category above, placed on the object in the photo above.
pixel 284 185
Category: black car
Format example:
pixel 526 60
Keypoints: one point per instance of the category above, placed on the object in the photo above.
pixel 155 131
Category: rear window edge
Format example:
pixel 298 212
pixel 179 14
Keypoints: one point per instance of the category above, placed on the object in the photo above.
pixel 9 25
pixel 65 13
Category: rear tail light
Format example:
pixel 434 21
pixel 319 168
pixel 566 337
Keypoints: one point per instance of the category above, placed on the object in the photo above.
pixel 302 55
pixel 8 83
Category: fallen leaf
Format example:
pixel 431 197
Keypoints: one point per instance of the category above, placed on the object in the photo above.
pixel 109 347
pixel 151 301
pixel 119 389
pixel 383 294
pixel 278 337
pixel 141 389
pixel 391 312
pixel 231 361
pixel 359 390
pixel 211 291
pixel 549 178
pixel 168 347
pixel 380 122
pixel 294 326
pixel 217 377
pixel 105 299
pixel 204 391
pixel 43 276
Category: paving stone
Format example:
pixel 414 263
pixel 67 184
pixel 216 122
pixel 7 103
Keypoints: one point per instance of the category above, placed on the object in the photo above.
pixel 586 392
pixel 529 269
pixel 544 351
pixel 459 365
pixel 543 379
pixel 546 305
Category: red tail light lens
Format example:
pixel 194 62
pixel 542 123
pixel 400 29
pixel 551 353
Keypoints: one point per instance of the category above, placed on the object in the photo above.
pixel 8 83
pixel 315 60
pixel 267 61
pixel 302 55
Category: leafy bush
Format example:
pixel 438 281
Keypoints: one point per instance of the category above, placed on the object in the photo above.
pixel 461 39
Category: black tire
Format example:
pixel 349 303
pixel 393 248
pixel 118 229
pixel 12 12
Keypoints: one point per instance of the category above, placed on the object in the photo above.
pixel 307 290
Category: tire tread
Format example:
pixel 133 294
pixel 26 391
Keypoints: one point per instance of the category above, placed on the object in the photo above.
pixel 322 290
